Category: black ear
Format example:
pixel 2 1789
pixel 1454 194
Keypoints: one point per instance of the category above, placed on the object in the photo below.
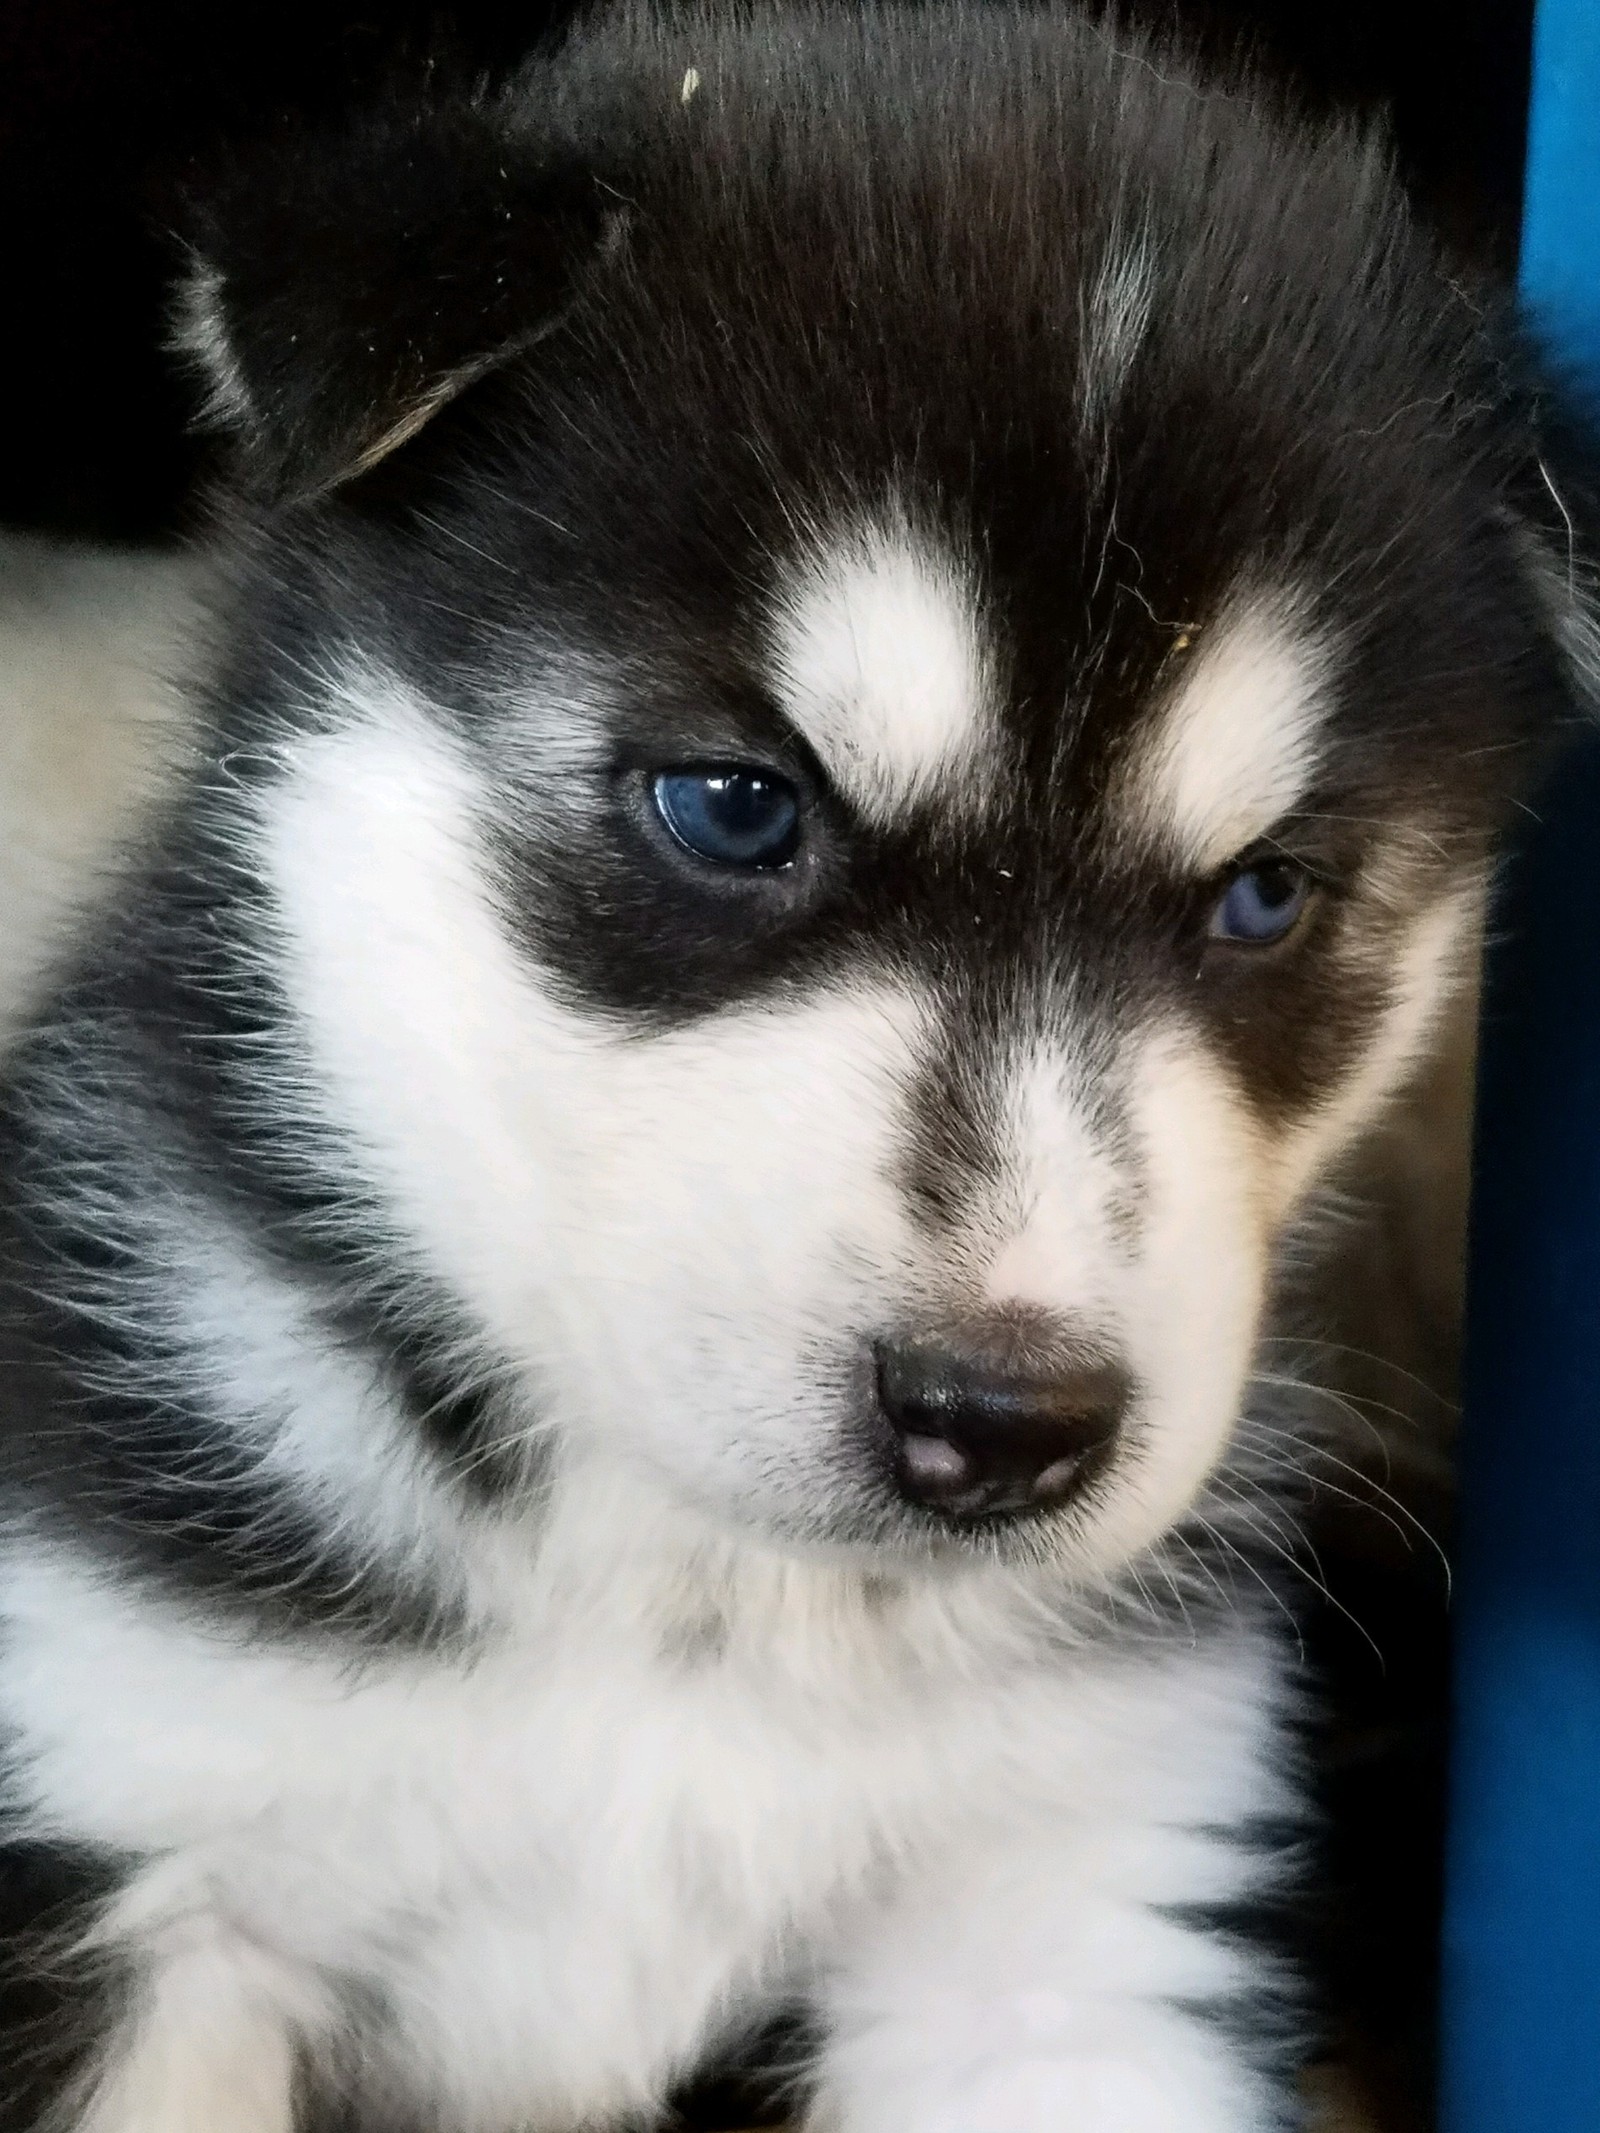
pixel 342 290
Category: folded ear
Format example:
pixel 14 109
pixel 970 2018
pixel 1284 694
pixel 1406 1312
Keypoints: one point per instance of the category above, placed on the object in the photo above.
pixel 342 290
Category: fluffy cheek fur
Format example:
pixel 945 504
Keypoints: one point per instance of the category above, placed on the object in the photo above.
pixel 685 1241
pixel 690 1241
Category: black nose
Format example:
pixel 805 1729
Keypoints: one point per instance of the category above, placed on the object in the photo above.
pixel 993 1421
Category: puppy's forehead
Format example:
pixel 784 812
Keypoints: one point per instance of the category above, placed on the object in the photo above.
pixel 883 655
pixel 880 656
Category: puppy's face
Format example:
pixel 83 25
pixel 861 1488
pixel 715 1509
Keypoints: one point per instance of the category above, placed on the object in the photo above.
pixel 874 829
pixel 864 1088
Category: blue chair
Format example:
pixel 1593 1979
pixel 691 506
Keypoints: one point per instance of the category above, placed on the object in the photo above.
pixel 1521 2007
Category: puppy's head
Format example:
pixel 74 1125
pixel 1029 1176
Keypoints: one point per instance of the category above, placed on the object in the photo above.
pixel 906 639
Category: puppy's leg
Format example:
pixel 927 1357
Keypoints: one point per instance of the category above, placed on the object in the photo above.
pixel 1053 1972
pixel 208 2045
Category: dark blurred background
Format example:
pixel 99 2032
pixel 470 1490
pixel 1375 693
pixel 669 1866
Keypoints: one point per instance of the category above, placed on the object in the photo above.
pixel 107 107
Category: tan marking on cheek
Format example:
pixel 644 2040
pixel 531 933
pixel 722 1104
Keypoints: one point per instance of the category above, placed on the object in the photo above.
pixel 1191 1303
pixel 1433 962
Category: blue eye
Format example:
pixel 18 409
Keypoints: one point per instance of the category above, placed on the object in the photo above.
pixel 1261 903
pixel 731 816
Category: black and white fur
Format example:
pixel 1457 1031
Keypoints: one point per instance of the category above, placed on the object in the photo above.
pixel 466 1660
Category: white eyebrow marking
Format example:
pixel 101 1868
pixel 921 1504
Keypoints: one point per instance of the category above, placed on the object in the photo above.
pixel 879 657
pixel 1235 748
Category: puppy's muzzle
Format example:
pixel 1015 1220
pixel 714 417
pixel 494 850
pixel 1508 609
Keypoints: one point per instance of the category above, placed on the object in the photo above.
pixel 994 1420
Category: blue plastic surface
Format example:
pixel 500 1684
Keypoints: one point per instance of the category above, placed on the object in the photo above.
pixel 1522 1930
pixel 1521 2008
pixel 1561 202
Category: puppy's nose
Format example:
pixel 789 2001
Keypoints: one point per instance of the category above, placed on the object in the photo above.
pixel 988 1427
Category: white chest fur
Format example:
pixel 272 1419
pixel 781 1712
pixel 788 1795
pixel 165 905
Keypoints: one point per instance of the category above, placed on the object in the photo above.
pixel 560 1865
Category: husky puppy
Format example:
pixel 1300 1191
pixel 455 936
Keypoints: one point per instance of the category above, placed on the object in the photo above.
pixel 872 660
